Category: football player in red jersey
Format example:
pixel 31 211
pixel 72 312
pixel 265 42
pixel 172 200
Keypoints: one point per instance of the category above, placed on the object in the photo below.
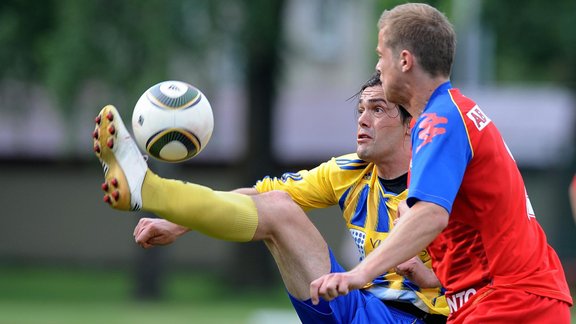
pixel 467 198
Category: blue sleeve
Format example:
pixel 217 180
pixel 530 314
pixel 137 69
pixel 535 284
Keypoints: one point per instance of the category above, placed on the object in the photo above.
pixel 440 153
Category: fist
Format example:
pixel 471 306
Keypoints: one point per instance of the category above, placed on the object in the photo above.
pixel 150 232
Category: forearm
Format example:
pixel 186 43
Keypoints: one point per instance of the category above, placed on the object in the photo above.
pixel 416 230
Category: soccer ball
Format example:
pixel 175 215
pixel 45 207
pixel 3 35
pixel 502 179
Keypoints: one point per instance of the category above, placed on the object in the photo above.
pixel 172 121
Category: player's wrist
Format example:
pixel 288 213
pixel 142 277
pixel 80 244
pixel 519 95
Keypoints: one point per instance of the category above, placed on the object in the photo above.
pixel 180 230
pixel 363 274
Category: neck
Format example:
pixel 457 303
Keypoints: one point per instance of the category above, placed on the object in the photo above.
pixel 421 91
pixel 396 165
pixel 390 174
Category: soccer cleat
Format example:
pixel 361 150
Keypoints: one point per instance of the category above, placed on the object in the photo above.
pixel 123 164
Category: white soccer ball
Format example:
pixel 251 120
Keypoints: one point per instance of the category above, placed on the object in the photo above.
pixel 172 121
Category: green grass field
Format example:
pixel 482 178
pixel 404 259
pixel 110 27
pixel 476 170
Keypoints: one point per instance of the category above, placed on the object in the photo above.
pixel 52 296
pixel 65 296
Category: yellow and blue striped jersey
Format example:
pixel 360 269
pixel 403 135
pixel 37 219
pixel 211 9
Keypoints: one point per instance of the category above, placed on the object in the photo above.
pixel 369 212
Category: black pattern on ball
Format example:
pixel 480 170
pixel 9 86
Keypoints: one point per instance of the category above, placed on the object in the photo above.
pixel 188 99
pixel 159 140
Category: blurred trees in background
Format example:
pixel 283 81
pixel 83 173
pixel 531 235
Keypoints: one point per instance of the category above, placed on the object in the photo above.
pixel 534 40
pixel 130 44
pixel 65 44
pixel 127 45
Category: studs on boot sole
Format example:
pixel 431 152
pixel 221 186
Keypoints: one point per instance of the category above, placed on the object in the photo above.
pixel 106 185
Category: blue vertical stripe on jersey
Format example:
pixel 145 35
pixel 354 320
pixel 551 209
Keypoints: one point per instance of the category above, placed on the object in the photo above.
pixel 342 199
pixel 359 217
pixel 383 217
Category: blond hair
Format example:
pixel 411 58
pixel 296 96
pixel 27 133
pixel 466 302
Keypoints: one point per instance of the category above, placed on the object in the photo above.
pixel 425 32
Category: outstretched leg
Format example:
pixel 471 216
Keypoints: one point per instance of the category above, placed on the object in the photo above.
pixel 296 245
pixel 130 185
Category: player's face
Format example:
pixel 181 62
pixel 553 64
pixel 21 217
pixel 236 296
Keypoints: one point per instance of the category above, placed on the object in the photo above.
pixel 380 130
pixel 389 69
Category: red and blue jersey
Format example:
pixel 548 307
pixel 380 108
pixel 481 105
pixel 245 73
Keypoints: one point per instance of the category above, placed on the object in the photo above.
pixel 461 163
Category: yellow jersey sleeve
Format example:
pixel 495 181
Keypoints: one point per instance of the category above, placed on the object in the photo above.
pixel 316 188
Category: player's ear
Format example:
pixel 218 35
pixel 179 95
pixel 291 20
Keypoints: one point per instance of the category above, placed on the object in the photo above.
pixel 406 60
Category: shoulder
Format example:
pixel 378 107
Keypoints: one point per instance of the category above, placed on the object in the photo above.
pixel 349 161
pixel 451 107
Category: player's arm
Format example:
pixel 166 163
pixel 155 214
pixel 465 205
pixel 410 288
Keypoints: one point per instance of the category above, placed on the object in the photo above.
pixel 414 269
pixel 414 232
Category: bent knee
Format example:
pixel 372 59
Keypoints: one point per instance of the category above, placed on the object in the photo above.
pixel 276 209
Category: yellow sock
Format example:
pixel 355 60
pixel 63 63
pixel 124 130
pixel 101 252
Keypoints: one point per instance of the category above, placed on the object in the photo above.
pixel 223 215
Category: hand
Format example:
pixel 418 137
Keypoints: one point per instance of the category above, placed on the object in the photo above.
pixel 150 232
pixel 402 209
pixel 332 285
pixel 415 271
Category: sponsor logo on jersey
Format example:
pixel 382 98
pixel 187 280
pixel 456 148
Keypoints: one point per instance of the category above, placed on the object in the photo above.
pixel 478 117
pixel 429 128
pixel 457 300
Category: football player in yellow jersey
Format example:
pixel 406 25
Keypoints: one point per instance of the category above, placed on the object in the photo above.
pixel 367 185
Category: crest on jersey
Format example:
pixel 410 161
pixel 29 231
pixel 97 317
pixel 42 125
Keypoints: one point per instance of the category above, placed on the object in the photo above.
pixel 429 128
